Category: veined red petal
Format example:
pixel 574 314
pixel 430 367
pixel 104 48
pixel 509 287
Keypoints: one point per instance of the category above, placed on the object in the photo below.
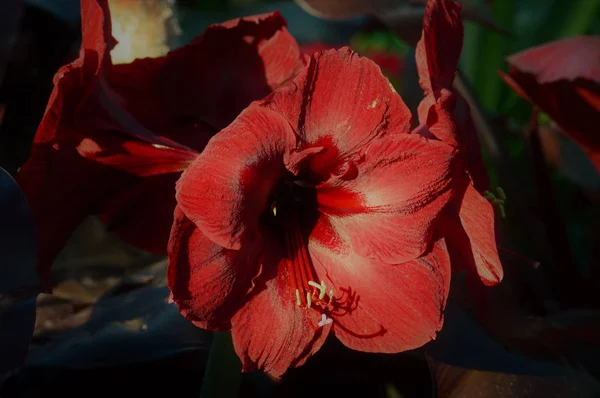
pixel 135 157
pixel 226 189
pixel 468 227
pixel 341 100
pixel 271 332
pixel 439 49
pixel 388 211
pixel 208 282
pixel 386 308
pixel 390 62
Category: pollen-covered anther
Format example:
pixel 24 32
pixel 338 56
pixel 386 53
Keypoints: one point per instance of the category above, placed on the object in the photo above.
pixel 298 298
pixel 274 209
pixel 308 300
pixel 320 287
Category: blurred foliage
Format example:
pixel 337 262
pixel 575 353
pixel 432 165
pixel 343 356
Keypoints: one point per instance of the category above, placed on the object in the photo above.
pixel 532 22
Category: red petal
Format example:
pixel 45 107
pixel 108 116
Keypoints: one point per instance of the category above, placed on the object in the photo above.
pixel 469 145
pixel 343 100
pixel 567 91
pixel 207 281
pixel 567 59
pixel 469 233
pixel 226 189
pixel 390 63
pixel 439 49
pixel 388 210
pixel 97 104
pixel 271 332
pixel 142 214
pixel 449 120
pixel 62 189
pixel 135 157
pixel 386 308
pixel 208 82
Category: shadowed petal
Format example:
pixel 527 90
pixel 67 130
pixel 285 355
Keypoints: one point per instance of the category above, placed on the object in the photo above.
pixel 141 213
pixel 439 49
pixel 198 89
pixel 468 227
pixel 207 281
pixel 562 78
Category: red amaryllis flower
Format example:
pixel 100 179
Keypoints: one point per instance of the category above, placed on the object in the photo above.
pixel 562 78
pixel 318 211
pixel 115 138
pixel 313 212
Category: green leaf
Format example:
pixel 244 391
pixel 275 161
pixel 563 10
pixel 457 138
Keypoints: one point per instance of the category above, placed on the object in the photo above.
pixel 580 17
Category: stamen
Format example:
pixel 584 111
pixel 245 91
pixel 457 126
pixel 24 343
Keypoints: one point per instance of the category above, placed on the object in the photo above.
pixel 330 296
pixel 274 209
pixel 298 299
pixel 314 284
pixel 308 300
pixel 322 288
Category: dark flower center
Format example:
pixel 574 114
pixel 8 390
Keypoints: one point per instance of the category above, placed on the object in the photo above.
pixel 291 216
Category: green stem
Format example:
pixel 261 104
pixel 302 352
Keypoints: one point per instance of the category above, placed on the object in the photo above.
pixel 223 372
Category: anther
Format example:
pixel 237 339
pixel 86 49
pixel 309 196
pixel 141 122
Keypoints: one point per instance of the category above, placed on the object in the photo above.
pixel 274 209
pixel 308 300
pixel 330 296
pixel 298 299
pixel 322 288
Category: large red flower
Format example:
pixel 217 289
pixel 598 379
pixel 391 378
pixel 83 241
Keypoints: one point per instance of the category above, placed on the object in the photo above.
pixel 115 138
pixel 318 211
pixel 563 79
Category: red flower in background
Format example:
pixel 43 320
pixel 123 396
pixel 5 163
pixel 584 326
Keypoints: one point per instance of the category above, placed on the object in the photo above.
pixel 318 211
pixel 562 78
pixel 468 222
pixel 115 138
